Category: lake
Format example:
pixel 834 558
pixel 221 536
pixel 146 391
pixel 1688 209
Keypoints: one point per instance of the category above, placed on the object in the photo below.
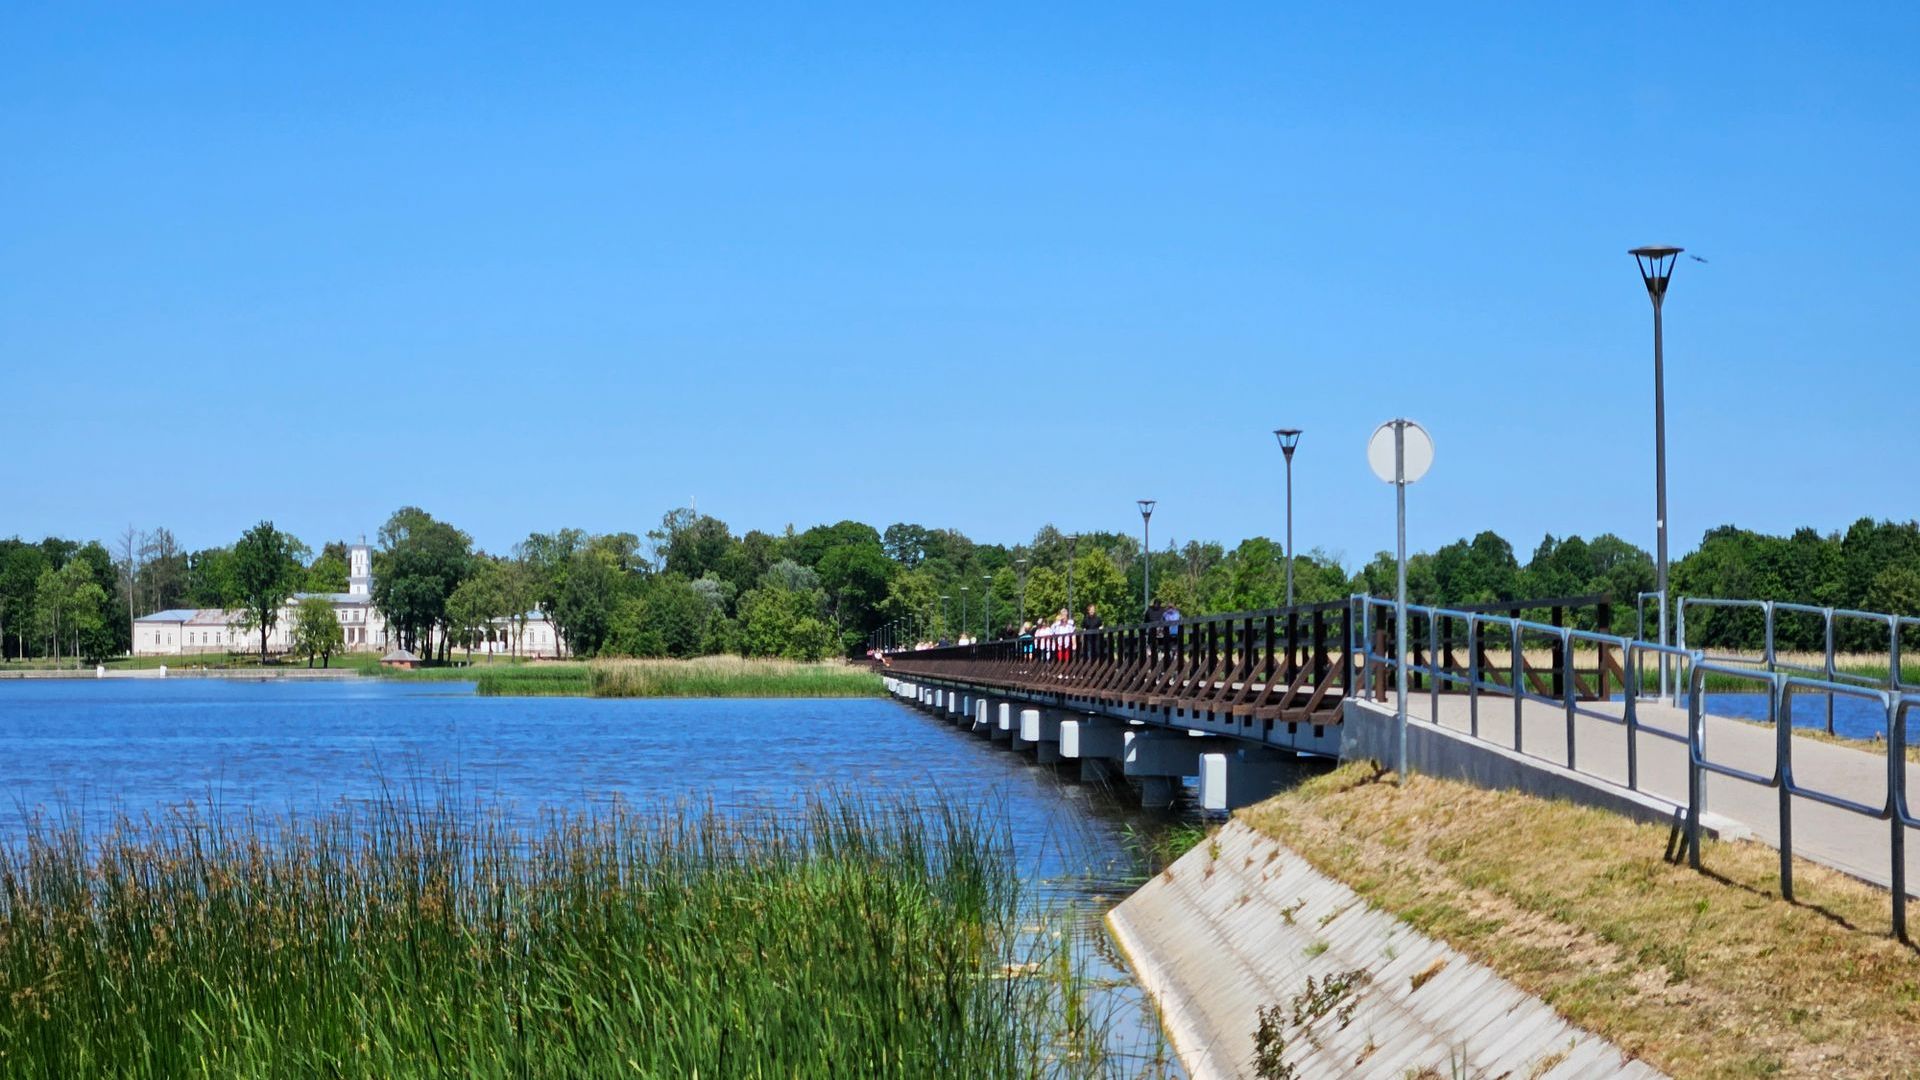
pixel 99 748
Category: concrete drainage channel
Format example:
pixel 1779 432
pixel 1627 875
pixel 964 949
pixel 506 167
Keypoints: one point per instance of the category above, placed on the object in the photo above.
pixel 1263 966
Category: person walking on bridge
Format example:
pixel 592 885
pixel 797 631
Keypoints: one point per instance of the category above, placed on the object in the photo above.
pixel 1093 620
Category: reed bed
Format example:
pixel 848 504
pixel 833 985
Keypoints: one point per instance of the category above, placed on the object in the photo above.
pixel 731 676
pixel 441 939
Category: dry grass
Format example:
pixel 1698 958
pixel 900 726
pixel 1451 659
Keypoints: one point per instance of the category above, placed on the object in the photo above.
pixel 1702 974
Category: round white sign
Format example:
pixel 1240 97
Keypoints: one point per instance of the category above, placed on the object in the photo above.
pixel 1419 451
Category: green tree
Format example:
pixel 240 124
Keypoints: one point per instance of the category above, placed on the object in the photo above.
pixel 784 622
pixel 583 609
pixel 21 564
pixel 475 605
pixel 69 609
pixel 1046 593
pixel 209 579
pixel 1097 581
pixel 266 570
pixel 419 564
pixel 316 630
pixel 328 573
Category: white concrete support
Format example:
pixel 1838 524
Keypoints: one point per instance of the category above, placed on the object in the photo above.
pixel 1158 760
pixel 982 709
pixel 1041 728
pixel 1231 779
pixel 1160 753
pixel 1006 726
pixel 997 720
pixel 1093 737
pixel 1099 743
pixel 1018 735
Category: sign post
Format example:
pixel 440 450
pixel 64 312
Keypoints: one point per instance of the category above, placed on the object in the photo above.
pixel 1400 453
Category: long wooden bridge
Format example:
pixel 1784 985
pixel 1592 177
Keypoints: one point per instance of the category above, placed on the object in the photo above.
pixel 1541 694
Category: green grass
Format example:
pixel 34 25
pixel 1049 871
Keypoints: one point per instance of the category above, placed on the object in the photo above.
pixel 732 676
pixel 444 940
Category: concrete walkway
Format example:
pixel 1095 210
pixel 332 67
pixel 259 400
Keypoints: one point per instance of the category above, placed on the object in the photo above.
pixel 1854 843
pixel 1231 928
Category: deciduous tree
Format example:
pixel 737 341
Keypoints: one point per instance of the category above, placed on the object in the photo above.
pixel 316 630
pixel 266 570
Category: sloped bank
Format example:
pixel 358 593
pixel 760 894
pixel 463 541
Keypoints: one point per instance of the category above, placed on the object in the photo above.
pixel 1263 966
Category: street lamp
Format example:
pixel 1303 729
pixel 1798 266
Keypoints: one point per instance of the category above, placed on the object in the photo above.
pixel 1289 438
pixel 986 606
pixel 1146 554
pixel 946 612
pixel 1073 546
pixel 963 610
pixel 1022 564
pixel 1656 269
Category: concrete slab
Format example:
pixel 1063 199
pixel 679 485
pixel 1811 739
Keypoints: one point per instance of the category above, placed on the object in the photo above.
pixel 1229 929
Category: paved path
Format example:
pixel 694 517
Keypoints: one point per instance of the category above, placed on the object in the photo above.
pixel 1857 844
pixel 1230 929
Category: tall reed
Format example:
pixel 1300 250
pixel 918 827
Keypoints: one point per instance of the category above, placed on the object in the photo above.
pixel 732 676
pixel 430 937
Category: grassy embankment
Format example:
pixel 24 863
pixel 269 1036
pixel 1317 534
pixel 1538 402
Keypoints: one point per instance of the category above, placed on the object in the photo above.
pixel 1702 974
pixel 442 940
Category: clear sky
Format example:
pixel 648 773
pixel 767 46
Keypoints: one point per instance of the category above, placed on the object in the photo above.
pixel 534 266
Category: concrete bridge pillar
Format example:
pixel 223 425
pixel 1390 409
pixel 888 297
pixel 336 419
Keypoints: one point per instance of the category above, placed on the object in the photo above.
pixel 1006 725
pixel 1099 743
pixel 1040 728
pixel 1029 721
pixel 1231 779
pixel 996 720
pixel 1159 759
pixel 982 710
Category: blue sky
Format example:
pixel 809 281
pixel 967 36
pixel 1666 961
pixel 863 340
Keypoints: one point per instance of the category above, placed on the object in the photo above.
pixel 983 267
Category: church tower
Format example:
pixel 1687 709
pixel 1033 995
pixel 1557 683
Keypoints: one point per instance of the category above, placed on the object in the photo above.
pixel 360 569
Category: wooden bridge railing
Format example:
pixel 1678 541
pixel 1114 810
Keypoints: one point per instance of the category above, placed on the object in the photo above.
pixel 1275 665
pixel 1279 664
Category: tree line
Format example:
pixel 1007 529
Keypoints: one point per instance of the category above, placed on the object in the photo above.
pixel 692 586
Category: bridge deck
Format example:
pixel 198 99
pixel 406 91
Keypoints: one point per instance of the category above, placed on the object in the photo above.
pixel 1847 841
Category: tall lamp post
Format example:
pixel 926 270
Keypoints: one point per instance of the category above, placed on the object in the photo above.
pixel 1022 616
pixel 986 606
pixel 1656 269
pixel 963 610
pixel 1146 554
pixel 1073 547
pixel 946 612
pixel 1289 438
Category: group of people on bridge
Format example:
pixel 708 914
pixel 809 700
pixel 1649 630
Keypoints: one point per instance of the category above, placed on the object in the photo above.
pixel 1051 641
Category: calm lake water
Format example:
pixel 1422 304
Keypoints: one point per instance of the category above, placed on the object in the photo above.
pixel 1854 717
pixel 99 748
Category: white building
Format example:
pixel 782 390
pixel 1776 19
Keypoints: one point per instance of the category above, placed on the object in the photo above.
pixel 199 631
